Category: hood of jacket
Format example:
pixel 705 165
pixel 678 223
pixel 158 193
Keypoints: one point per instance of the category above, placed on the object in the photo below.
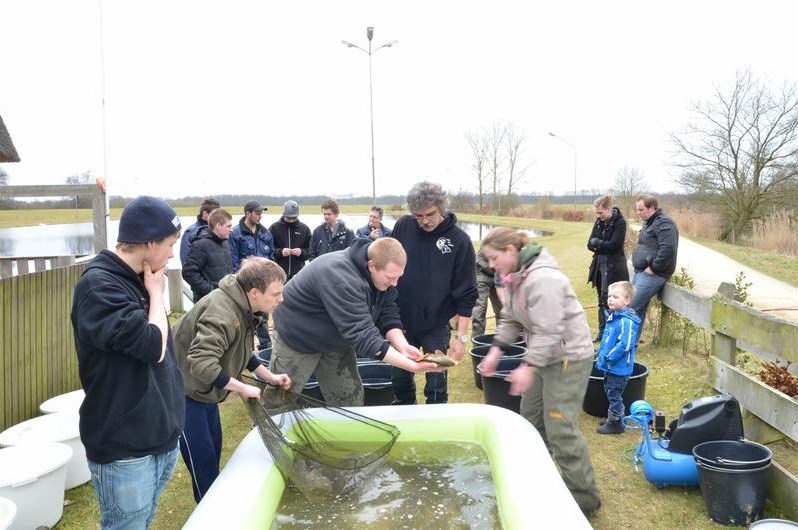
pixel 204 232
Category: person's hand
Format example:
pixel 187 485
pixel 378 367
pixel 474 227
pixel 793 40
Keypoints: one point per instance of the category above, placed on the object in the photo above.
pixel 375 233
pixel 594 242
pixel 296 251
pixel 250 391
pixel 457 349
pixel 154 281
pixel 649 271
pixel 520 379
pixel 491 361
pixel 412 352
pixel 286 252
pixel 426 366
pixel 281 380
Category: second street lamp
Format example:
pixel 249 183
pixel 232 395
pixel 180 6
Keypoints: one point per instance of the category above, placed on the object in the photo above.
pixel 574 148
pixel 370 36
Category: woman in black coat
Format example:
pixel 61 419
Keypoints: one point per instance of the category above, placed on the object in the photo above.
pixel 609 261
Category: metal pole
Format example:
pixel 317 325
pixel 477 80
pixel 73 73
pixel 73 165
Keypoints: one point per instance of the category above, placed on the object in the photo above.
pixel 574 177
pixel 371 113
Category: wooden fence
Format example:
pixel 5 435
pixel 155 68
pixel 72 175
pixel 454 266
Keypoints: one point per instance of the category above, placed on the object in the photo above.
pixel 37 348
pixel 22 265
pixel 734 325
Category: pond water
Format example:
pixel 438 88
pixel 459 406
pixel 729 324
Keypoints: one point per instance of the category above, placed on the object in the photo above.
pixel 420 486
pixel 76 238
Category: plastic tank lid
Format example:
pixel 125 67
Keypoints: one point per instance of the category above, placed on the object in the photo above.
pixel 57 427
pixel 22 464
pixel 70 401
pixel 773 524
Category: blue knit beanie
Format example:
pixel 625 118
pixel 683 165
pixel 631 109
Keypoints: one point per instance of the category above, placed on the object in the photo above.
pixel 147 219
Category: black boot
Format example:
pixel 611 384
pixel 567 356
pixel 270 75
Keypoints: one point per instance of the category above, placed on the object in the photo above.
pixel 612 426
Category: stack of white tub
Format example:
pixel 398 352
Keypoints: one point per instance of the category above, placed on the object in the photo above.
pixel 40 458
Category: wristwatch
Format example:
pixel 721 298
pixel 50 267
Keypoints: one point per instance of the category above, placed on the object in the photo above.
pixel 463 338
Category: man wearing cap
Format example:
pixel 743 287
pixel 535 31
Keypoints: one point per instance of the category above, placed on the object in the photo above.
pixel 134 409
pixel 291 240
pixel 207 206
pixel 250 238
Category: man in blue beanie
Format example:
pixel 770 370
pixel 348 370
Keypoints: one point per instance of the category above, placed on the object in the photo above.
pixel 134 407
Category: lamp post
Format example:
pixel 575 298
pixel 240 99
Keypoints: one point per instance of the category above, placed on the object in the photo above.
pixel 370 36
pixel 574 148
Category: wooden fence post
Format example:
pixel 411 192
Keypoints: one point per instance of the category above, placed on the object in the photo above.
pixel 175 280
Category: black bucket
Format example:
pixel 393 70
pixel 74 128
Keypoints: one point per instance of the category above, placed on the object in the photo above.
pixel 311 389
pixel 377 385
pixel 732 454
pixel 479 352
pixel 487 340
pixel 496 389
pixel 733 496
pixel 595 402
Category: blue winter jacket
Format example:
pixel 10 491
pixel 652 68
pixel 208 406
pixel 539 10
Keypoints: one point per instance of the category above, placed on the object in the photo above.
pixel 616 353
pixel 243 243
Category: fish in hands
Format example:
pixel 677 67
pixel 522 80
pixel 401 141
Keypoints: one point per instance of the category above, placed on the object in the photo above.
pixel 439 358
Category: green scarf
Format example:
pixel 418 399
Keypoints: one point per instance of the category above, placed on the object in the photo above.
pixel 528 254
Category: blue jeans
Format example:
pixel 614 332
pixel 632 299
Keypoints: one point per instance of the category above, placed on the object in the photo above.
pixel 435 389
pixel 646 287
pixel 128 490
pixel 201 445
pixel 614 385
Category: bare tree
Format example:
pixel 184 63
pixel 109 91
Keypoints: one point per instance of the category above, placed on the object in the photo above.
pixel 740 154
pixel 494 139
pixel 82 178
pixel 479 150
pixel 629 183
pixel 514 149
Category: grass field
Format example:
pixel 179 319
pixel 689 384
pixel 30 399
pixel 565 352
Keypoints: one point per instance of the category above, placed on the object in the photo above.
pixel 628 500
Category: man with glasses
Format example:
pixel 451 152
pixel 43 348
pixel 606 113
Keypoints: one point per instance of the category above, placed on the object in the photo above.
pixel 374 229
pixel 439 283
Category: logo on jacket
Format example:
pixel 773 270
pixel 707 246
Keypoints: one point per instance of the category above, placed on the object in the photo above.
pixel 444 244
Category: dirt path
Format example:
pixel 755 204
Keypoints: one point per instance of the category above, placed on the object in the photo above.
pixel 709 268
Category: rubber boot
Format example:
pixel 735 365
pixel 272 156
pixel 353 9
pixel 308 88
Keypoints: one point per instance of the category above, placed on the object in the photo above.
pixel 612 426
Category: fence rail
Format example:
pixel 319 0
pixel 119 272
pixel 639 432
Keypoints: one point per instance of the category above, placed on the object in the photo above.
pixel 733 324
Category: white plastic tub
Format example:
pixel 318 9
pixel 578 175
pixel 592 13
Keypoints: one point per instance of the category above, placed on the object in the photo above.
pixel 8 512
pixel 529 490
pixel 57 427
pixel 69 402
pixel 33 478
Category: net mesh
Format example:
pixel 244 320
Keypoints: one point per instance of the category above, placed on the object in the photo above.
pixel 319 448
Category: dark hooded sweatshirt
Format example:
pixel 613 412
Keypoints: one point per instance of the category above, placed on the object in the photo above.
pixel 134 405
pixel 440 279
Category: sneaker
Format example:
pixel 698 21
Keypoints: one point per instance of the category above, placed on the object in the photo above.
pixel 611 427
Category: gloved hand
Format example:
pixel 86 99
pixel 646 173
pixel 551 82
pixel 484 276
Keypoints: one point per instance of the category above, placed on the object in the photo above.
pixel 594 242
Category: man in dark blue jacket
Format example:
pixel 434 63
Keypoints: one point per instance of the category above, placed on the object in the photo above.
pixel 134 407
pixel 250 238
pixel 654 257
pixel 332 234
pixel 207 206
pixel 209 258
pixel 341 307
pixel 439 284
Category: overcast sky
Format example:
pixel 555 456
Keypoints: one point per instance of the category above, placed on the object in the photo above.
pixel 261 97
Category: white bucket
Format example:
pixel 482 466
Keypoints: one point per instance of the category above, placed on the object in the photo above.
pixel 56 427
pixel 69 402
pixel 8 512
pixel 33 478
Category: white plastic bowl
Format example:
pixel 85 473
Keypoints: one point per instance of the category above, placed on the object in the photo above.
pixel 8 512
pixel 33 478
pixel 69 402
pixel 57 427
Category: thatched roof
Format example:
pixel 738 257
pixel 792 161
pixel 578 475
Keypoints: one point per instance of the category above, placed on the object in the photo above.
pixel 7 151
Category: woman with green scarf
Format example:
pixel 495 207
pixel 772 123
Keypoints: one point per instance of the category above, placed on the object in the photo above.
pixel 541 305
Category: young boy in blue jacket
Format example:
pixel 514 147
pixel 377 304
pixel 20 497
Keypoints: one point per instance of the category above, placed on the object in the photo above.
pixel 616 354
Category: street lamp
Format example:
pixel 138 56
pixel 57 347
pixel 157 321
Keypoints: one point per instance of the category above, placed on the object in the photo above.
pixel 370 36
pixel 574 148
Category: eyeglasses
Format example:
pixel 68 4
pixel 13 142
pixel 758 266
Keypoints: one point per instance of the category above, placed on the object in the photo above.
pixel 430 215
